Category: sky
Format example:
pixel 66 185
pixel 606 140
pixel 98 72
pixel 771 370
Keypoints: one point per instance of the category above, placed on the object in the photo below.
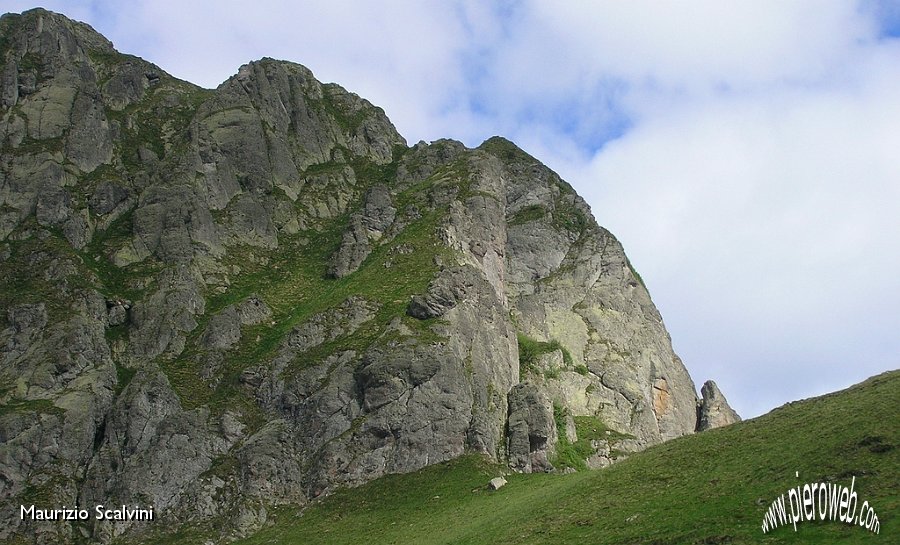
pixel 746 153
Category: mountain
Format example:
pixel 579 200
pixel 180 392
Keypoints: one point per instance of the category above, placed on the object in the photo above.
pixel 221 301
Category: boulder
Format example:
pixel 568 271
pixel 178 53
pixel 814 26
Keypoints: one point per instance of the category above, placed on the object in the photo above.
pixel 713 410
pixel 532 429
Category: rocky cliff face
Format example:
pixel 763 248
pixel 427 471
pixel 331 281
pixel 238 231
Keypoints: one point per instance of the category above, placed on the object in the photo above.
pixel 217 301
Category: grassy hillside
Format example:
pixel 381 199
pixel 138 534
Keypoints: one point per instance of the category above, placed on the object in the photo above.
pixel 713 487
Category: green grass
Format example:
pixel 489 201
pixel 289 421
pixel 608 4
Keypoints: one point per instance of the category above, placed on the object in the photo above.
pixel 159 121
pixel 506 151
pixel 349 121
pixel 296 287
pixel 530 350
pixel 587 429
pixel 568 217
pixel 22 278
pixel 32 146
pixel 634 272
pixel 123 377
pixel 41 406
pixel 105 58
pixel 527 214
pixel 712 487
pixel 7 23
pixel 115 281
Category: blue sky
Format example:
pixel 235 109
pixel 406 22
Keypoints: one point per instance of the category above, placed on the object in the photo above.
pixel 744 152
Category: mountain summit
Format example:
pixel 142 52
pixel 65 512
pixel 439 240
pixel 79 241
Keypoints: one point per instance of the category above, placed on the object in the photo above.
pixel 219 301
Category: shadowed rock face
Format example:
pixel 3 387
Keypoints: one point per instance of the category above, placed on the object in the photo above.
pixel 217 301
pixel 714 410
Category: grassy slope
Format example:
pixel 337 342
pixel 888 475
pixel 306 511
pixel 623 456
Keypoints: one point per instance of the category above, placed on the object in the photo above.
pixel 713 487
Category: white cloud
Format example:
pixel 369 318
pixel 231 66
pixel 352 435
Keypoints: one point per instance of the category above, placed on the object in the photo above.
pixel 709 41
pixel 765 226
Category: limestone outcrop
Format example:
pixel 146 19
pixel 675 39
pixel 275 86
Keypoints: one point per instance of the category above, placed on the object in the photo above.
pixel 713 410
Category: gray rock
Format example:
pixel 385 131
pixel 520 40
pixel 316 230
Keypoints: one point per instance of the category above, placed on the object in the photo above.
pixel 61 379
pixel 568 280
pixel 117 315
pixel 223 330
pixel 26 322
pixel 366 228
pixel 127 85
pixel 253 311
pixel 88 142
pixel 161 321
pixel 497 483
pixel 330 325
pixel 251 222
pixel 107 198
pixel 150 449
pixel 602 455
pixel 170 222
pixel 713 410
pixel 444 293
pixel 532 429
pixel 571 432
pixel 9 85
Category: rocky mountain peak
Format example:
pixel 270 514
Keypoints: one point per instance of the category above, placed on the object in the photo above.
pixel 222 300
pixel 713 410
pixel 51 35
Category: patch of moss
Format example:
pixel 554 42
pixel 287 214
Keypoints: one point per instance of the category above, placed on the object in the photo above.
pixel 506 151
pixel 320 168
pixel 117 282
pixel 116 333
pixel 7 23
pixel 634 272
pixel 349 121
pixel 104 58
pixel 371 173
pixel 421 330
pixel 158 122
pixel 530 350
pixel 222 467
pixel 527 214
pixel 587 429
pixel 123 377
pixel 567 358
pixel 568 217
pixel 22 279
pixel 476 193
pixel 567 454
pixel 46 493
pixel 40 406
pixel 31 61
pixel 33 146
